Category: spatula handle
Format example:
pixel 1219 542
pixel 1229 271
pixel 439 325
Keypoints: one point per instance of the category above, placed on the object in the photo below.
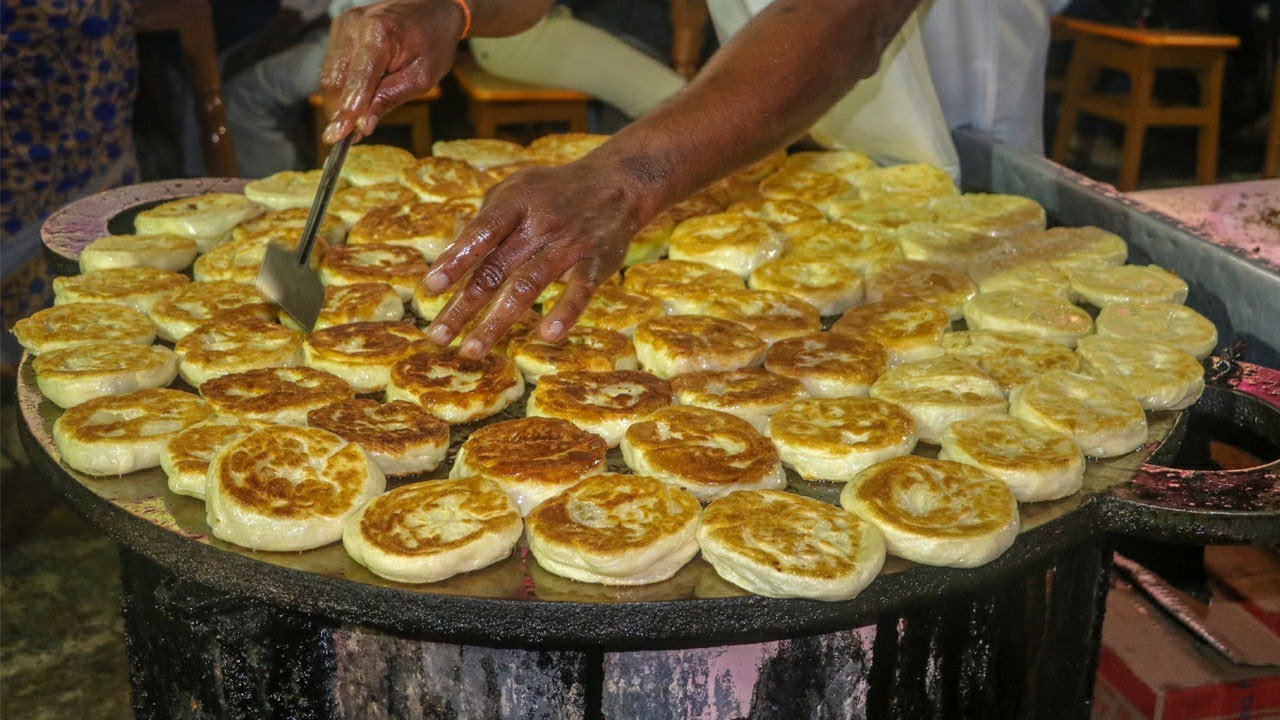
pixel 324 193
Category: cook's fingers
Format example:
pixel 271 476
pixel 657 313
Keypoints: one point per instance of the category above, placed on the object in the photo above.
pixel 581 282
pixel 494 224
pixel 408 83
pixel 365 71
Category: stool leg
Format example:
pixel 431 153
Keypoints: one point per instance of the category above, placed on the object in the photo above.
pixel 1135 128
pixel 1271 168
pixel 420 131
pixel 1079 74
pixel 319 123
pixel 578 118
pixel 1211 98
pixel 482 120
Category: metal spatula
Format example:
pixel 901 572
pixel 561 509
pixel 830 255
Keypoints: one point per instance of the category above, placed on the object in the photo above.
pixel 285 277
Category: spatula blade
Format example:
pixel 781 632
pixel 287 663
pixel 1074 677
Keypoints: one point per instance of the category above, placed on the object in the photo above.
pixel 295 288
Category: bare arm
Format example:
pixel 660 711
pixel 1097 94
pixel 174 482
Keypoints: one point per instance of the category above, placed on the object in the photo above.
pixel 760 91
pixel 381 55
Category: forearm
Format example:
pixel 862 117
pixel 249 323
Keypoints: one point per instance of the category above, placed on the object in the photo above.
pixel 501 18
pixel 763 89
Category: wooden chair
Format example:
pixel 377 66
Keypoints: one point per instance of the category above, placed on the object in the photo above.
pixel 192 20
pixel 416 114
pixel 493 101
pixel 1141 54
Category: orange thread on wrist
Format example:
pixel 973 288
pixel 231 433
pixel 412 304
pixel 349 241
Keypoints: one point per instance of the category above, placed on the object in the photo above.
pixel 466 18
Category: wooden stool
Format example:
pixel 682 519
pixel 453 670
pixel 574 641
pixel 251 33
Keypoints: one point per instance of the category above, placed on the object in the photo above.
pixel 415 113
pixel 1139 54
pixel 493 101
pixel 193 21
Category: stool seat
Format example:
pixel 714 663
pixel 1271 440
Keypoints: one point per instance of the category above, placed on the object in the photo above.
pixel 1149 38
pixel 416 114
pixel 1140 54
pixel 493 101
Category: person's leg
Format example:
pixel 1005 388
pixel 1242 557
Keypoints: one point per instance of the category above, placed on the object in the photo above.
pixel 263 103
pixel 565 52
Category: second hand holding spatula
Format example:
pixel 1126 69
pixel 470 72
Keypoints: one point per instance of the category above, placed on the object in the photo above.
pixel 285 277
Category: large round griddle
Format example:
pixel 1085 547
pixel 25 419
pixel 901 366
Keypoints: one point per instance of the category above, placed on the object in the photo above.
pixel 515 602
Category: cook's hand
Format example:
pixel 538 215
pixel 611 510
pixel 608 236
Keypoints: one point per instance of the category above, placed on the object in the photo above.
pixel 540 225
pixel 380 56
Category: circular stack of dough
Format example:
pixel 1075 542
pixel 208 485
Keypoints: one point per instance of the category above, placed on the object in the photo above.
pixel 1160 377
pixel 276 395
pixel 287 489
pixel 604 403
pixel 1028 277
pixel 136 287
pixel 935 512
pixel 375 164
pixel 289 222
pixel 707 452
pixel 908 179
pixel 1036 464
pixel 582 348
pixel 186 456
pixel 438 179
pixel 678 344
pixel 772 316
pixel 362 353
pixel 835 438
pixel 828 285
pixel 397 265
pixel 208 219
pixel 1039 314
pixel 819 189
pixel 175 316
pixel 164 252
pixel 564 148
pixel 859 250
pixel 1133 284
pixel 674 281
pixel 120 434
pixel 454 388
pixel 997 215
pixel 778 213
pixel 1072 248
pixel 480 153
pixel 829 365
pixel 914 279
pixel 235 345
pixel 753 394
pixel 847 164
pixel 947 245
pixel 613 308
pixel 615 530
pixel 82 322
pixel 908 329
pixel 884 213
pixel 782 545
pixel 1011 359
pixel 533 459
pixel 353 203
pixel 940 391
pixel 402 438
pixel 1100 418
pixel 429 531
pixel 360 302
pixel 1169 324
pixel 286 190
pixel 428 227
pixel 240 260
pixel 72 375
pixel 737 243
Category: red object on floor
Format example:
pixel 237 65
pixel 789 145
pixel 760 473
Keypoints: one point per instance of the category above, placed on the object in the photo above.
pixel 1150 668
